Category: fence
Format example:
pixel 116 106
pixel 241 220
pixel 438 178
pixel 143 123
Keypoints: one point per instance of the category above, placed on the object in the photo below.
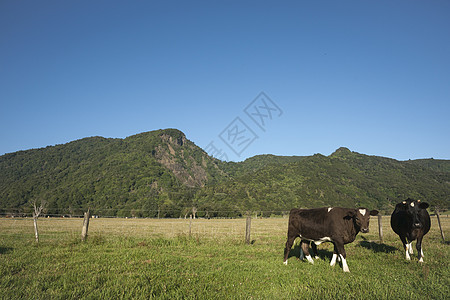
pixel 243 229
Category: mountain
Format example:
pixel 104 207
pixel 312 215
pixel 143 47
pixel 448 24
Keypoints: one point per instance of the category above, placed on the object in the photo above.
pixel 152 171
pixel 162 173
pixel 344 178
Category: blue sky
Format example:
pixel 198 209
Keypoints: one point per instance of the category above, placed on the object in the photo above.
pixel 373 76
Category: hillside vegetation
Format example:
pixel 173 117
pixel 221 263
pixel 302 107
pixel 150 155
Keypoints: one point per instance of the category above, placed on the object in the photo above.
pixel 162 173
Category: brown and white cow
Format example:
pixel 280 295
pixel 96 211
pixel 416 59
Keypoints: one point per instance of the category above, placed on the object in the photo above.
pixel 328 224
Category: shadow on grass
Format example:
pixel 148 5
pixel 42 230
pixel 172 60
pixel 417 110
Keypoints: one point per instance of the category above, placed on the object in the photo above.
pixel 324 253
pixel 377 248
pixel 298 253
pixel 4 250
pixel 295 252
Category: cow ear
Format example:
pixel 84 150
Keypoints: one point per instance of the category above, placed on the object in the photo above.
pixel 424 205
pixel 350 214
pixel 374 212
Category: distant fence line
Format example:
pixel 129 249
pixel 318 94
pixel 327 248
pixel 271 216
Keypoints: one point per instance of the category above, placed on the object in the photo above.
pixel 202 226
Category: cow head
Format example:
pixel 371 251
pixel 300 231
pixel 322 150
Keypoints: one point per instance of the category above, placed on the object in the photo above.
pixel 412 208
pixel 361 218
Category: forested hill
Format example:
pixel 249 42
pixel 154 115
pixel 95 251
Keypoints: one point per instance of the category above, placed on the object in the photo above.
pixel 163 173
pixel 344 178
pixel 158 170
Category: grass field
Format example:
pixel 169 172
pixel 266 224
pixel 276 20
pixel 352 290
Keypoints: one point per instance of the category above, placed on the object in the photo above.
pixel 146 258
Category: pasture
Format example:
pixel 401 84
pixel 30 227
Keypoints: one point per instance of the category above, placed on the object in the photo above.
pixel 148 258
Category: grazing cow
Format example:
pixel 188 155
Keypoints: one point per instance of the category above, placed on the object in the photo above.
pixel 328 224
pixel 411 221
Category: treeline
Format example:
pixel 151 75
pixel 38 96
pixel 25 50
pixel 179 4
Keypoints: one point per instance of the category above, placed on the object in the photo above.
pixel 161 173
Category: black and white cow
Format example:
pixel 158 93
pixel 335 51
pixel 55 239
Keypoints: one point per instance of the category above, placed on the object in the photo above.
pixel 328 224
pixel 411 221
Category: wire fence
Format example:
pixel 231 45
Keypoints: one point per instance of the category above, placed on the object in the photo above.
pixel 262 230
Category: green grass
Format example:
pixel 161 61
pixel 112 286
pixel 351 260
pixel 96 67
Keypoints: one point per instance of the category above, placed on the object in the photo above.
pixel 145 259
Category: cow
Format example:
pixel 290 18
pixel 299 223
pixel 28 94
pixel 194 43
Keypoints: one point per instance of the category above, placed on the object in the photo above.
pixel 337 225
pixel 411 221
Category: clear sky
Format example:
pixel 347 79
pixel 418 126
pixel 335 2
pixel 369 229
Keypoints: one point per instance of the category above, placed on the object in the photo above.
pixel 373 76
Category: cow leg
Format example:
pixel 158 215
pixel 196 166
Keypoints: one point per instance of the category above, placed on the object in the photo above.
pixel 305 249
pixel 410 247
pixel 406 247
pixel 419 248
pixel 287 249
pixel 302 254
pixel 409 251
pixel 334 258
pixel 342 255
pixel 314 250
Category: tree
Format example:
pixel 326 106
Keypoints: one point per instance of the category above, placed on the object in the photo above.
pixel 36 213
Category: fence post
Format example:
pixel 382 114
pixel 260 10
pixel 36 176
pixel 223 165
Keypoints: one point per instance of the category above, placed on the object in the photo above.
pixel 247 229
pixel 436 210
pixel 84 231
pixel 380 229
